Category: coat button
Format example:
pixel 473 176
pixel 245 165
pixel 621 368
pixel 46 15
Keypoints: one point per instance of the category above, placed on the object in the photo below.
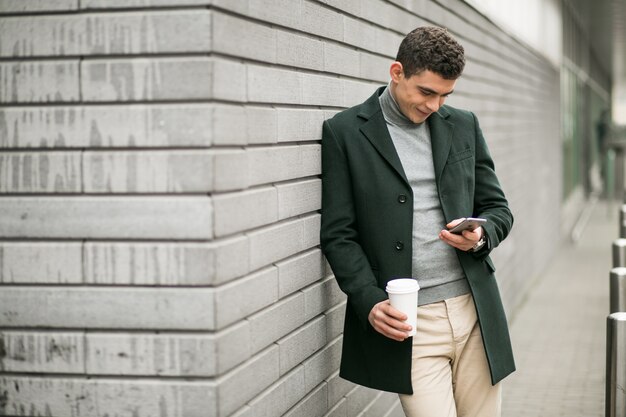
pixel 402 198
pixel 399 245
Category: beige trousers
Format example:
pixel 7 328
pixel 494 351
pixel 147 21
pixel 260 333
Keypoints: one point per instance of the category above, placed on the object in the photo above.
pixel 450 373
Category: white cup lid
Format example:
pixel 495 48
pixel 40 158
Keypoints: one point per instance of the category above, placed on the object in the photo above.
pixel 402 285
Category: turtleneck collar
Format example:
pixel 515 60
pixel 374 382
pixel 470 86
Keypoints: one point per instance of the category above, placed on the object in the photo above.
pixel 391 110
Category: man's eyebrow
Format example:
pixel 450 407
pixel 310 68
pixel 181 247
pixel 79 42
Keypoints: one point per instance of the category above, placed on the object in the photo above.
pixel 431 91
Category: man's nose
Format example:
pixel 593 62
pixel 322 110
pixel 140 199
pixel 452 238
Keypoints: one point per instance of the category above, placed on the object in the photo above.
pixel 433 104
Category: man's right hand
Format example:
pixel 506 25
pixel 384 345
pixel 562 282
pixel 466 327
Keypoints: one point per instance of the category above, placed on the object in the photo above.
pixel 388 321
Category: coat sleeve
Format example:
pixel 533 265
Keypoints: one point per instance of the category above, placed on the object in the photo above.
pixel 489 199
pixel 339 236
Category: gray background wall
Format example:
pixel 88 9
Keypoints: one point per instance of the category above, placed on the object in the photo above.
pixel 159 216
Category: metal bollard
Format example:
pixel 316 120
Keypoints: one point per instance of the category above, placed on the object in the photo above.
pixel 618 290
pixel 619 252
pixel 622 220
pixel 615 395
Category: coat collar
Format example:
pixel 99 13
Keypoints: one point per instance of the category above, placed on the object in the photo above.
pixel 375 130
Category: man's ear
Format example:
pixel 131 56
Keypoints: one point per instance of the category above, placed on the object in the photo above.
pixel 396 71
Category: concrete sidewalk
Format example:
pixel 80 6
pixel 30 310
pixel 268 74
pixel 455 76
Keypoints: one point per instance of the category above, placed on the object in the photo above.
pixel 559 332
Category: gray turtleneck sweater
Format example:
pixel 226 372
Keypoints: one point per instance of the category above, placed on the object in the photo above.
pixel 435 264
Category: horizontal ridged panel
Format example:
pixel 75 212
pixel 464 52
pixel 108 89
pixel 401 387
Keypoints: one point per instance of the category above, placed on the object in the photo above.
pixel 122 308
pixel 106 217
pixel 94 398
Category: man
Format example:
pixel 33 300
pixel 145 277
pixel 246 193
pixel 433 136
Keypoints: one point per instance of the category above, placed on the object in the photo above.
pixel 398 171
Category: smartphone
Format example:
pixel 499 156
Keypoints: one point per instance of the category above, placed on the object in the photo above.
pixel 469 223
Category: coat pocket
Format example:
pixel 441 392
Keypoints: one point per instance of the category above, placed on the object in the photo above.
pixel 460 156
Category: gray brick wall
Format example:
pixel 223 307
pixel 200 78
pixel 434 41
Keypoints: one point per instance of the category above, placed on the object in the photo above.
pixel 160 196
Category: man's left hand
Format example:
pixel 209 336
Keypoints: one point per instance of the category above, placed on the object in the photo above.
pixel 465 241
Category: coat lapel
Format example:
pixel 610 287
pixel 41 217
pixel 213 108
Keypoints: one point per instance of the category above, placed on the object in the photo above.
pixel 375 130
pixel 441 140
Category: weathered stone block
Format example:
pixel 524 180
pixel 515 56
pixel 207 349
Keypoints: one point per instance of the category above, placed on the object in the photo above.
pixel 36 82
pixel 299 51
pixel 147 32
pixel 28 36
pixel 240 298
pixel 299 271
pixel 253 40
pixel 40 172
pixel 107 4
pixel 40 262
pixel 166 354
pixel 29 6
pixel 299 198
pixel 277 320
pixel 107 308
pixel 126 126
pixel 38 352
pixel 314 404
pixel 295 125
pixel 149 263
pixel 271 85
pixel 143 79
pixel 162 171
pixel 279 397
pixel 247 380
pixel 106 217
pixel 146 398
pixel 321 365
pixel 244 210
pixel 302 343
pixel 276 242
pixel 231 170
pixel 322 296
pixel 342 60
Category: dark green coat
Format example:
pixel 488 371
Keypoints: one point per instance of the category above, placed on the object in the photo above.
pixel 367 217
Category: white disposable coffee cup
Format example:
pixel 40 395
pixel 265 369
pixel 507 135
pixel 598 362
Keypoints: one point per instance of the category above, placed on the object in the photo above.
pixel 403 296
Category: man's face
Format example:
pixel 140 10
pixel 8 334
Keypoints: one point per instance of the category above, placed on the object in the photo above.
pixel 420 95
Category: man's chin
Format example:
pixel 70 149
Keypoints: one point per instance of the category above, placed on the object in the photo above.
pixel 419 119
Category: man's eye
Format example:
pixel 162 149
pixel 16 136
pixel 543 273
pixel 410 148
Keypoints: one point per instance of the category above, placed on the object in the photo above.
pixel 426 93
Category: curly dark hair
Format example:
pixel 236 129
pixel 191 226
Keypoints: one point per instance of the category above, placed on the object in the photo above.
pixel 434 49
